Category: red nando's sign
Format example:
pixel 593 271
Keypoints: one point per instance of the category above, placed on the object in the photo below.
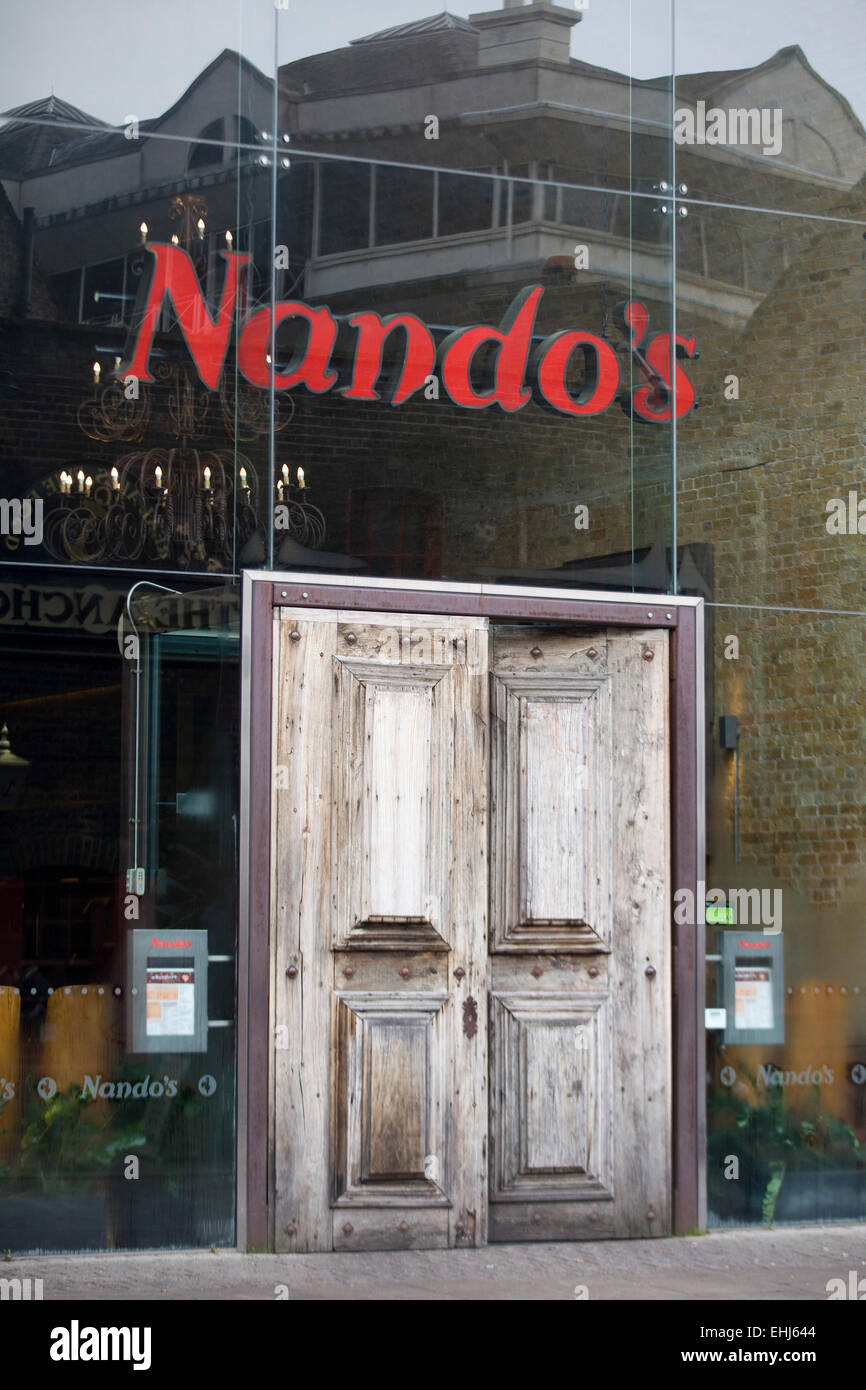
pixel 477 366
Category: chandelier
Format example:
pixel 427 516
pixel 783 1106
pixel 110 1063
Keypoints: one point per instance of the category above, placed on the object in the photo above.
pixel 176 506
pixel 179 504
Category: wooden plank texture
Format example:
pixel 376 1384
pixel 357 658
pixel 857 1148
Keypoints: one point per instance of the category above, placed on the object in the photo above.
pixel 380 894
pixel 301 942
pixel 580 1048
pixel 389 731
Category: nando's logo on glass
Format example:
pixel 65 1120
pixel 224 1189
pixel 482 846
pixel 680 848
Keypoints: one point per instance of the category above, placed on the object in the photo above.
pixel 477 366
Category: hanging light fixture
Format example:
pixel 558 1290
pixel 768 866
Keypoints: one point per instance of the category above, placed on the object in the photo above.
pixel 13 772
pixel 184 506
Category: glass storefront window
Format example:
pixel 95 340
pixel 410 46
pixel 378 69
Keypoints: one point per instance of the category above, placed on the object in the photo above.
pixel 679 200
pixel 771 149
pixel 106 1139
pixel 786 1067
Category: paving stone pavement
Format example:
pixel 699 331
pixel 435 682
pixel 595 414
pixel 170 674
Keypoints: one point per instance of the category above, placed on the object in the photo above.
pixel 794 1263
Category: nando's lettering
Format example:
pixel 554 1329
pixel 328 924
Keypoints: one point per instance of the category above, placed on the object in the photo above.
pixel 478 366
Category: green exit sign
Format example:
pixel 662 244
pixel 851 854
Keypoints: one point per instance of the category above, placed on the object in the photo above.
pixel 719 916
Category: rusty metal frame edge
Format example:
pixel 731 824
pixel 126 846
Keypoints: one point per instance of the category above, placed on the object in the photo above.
pixel 253 1204
pixel 265 590
pixel 688 854
pixel 478 600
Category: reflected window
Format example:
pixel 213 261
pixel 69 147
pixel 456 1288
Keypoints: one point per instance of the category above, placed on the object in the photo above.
pixel 344 217
pixel 575 207
pixel 404 205
pixel 247 133
pixel 465 204
pixel 209 149
pixel 521 196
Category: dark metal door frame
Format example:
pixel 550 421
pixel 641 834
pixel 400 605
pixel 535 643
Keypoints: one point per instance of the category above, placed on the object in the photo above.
pixel 263 592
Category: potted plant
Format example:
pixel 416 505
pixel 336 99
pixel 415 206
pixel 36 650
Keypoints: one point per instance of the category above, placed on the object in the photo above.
pixel 54 1184
pixel 787 1159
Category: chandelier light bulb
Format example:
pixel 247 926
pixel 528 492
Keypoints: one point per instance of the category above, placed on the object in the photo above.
pixel 301 482
pixel 229 240
pixel 97 371
pixel 207 476
pixel 157 473
pixel 175 239
pixel 115 480
pixel 88 484
pixel 200 225
pixel 80 478
pixel 285 472
pixel 143 230
pixel 243 477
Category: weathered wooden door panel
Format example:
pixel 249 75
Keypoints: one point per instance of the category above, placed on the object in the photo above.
pixel 391 803
pixel 579 1007
pixel 390 1116
pixel 391 732
pixel 381 922
pixel 551 796
pixel 552 1056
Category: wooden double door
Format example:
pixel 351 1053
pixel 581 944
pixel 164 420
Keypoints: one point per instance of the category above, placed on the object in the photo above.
pixel 469 932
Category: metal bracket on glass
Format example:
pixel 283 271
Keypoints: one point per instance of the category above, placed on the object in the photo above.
pixel 666 209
